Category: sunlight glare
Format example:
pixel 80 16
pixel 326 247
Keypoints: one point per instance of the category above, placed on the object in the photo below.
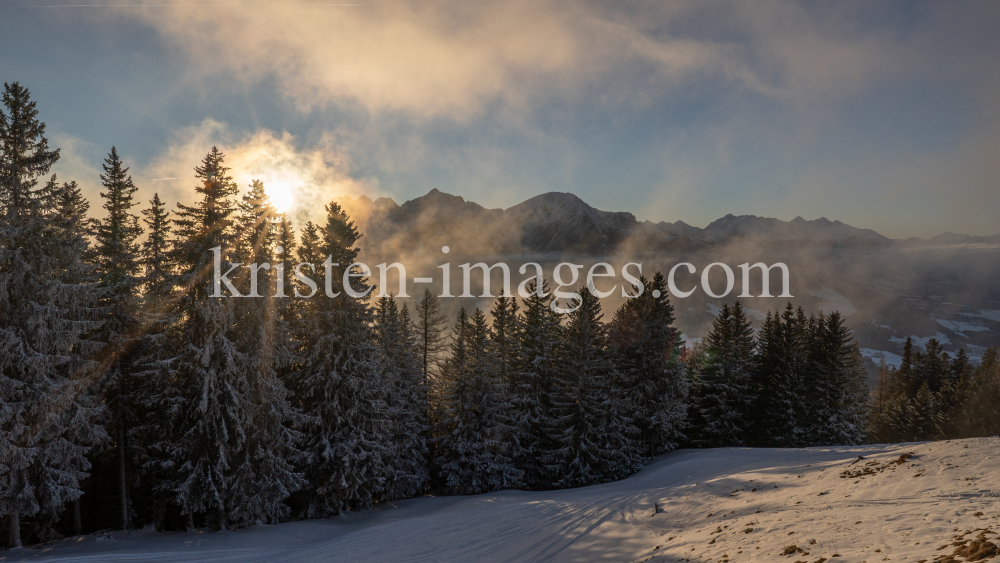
pixel 282 195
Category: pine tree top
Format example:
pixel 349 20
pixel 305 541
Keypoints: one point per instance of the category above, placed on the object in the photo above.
pixel 24 151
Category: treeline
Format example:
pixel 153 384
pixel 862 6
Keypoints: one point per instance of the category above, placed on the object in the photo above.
pixel 933 396
pixel 799 381
pixel 129 396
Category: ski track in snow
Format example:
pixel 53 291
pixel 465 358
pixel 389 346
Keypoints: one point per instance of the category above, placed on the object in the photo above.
pixel 905 511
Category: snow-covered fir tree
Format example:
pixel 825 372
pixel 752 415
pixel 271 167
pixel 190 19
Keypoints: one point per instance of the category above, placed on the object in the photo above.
pixel 48 418
pixel 339 384
pixel 532 379
pixel 592 431
pixel 119 269
pixel 721 393
pixel 262 475
pixel 310 248
pixel 471 450
pixel 156 395
pixel 776 381
pixel 504 343
pixel 210 419
pixel 651 383
pixel 408 471
pixel 155 253
pixel 504 337
pixel 834 387
pixel 429 326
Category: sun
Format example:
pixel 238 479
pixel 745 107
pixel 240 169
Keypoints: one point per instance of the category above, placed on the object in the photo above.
pixel 281 194
pixel 282 184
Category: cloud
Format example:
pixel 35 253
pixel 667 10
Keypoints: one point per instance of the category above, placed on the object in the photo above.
pixel 680 110
pixel 79 161
pixel 428 58
pixel 299 180
pixel 446 58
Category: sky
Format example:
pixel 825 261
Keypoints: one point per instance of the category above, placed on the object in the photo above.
pixel 884 115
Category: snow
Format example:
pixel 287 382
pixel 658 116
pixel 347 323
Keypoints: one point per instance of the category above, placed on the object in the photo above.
pixel 876 355
pixel 689 341
pixel 961 327
pixel 991 314
pixel 922 341
pixel 833 301
pixel 736 504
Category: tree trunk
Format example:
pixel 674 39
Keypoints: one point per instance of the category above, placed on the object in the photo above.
pixel 222 517
pixel 121 477
pixel 161 513
pixel 14 530
pixel 189 521
pixel 77 522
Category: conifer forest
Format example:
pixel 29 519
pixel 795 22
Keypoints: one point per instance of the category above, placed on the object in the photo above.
pixel 130 397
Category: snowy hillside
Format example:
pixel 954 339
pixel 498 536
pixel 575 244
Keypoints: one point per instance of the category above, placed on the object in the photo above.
pixel 907 502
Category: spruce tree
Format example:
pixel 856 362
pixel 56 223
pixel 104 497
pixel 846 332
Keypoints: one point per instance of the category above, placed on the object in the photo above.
pixel 69 211
pixel 156 392
pixel 531 389
pixel 408 472
pixel 157 270
pixel 855 398
pixel 340 388
pixel 833 386
pixel 310 245
pixel 979 413
pixel 210 421
pixel 723 393
pixel 48 418
pixel 119 269
pixel 504 335
pixel 430 327
pixel 470 450
pixel 284 239
pixel 887 420
pixel 924 418
pixel 651 380
pixel 591 431
pixel 262 476
pixel 775 382
pixel 504 342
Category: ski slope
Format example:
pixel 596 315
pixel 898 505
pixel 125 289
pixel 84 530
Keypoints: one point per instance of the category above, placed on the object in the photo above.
pixel 725 504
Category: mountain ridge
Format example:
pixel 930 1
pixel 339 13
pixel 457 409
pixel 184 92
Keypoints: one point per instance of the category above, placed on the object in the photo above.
pixel 563 222
pixel 949 238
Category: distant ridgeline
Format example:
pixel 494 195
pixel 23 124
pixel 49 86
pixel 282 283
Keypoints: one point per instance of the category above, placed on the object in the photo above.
pixel 562 222
pixel 129 396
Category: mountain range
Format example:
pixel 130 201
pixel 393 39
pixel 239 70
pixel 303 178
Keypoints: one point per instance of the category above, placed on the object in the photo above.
pixel 562 222
pixel 952 239
pixel 942 287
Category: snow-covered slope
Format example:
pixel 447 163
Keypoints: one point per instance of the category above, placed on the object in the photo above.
pixel 906 502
